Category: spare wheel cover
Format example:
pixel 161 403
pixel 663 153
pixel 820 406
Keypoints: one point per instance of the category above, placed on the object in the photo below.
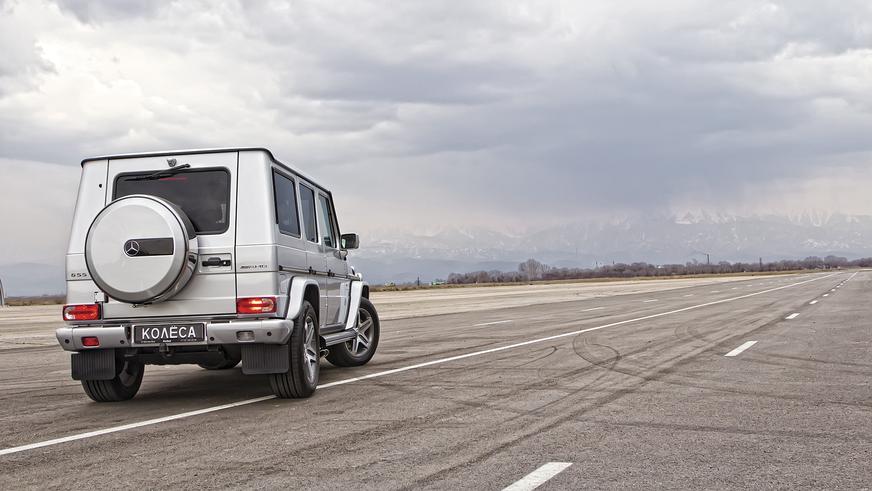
pixel 141 249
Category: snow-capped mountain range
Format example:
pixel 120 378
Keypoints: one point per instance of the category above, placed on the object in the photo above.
pixel 402 256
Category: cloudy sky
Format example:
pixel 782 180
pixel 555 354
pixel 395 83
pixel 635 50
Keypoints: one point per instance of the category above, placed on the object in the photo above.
pixel 501 113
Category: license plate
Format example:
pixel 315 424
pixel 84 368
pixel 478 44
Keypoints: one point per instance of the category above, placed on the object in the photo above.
pixel 169 333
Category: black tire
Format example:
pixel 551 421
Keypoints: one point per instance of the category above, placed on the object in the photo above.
pixel 123 387
pixel 225 364
pixel 352 353
pixel 301 379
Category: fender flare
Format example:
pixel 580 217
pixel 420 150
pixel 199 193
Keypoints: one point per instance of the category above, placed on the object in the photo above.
pixel 296 293
pixel 354 303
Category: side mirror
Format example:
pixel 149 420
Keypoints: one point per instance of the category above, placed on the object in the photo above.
pixel 350 241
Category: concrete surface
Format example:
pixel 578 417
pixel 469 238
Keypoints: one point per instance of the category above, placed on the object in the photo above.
pixel 416 303
pixel 645 398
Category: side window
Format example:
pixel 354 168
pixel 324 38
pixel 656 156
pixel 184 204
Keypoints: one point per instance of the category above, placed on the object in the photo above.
pixel 325 221
pixel 307 201
pixel 286 205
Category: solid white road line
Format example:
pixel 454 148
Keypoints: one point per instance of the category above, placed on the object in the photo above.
pixel 131 426
pixel 792 316
pixel 538 477
pixel 649 300
pixel 492 323
pixel 592 309
pixel 743 347
pixel 114 429
pixel 813 302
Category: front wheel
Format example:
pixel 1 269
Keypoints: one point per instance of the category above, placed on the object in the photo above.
pixel 358 351
pixel 301 379
pixel 123 387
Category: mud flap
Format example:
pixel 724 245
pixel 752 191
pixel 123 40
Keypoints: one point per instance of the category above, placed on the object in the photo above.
pixel 93 365
pixel 258 359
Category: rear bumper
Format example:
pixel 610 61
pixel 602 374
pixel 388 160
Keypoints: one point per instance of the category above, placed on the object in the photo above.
pixel 268 331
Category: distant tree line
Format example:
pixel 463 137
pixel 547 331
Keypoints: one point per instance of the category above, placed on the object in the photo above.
pixel 533 270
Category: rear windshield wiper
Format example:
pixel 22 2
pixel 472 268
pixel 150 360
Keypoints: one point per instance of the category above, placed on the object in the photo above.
pixel 161 173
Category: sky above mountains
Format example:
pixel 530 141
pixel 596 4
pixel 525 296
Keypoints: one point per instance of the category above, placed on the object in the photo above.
pixel 505 114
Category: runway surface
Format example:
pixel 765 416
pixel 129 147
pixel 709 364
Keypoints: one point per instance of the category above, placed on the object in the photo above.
pixel 727 383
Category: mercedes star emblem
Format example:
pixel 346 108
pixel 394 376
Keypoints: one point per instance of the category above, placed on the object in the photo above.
pixel 131 248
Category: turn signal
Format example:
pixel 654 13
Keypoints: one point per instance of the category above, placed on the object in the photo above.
pixel 256 305
pixel 82 312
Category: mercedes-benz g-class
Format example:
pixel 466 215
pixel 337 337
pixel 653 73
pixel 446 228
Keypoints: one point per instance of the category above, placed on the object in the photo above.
pixel 209 257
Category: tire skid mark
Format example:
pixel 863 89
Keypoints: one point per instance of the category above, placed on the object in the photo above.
pixel 540 425
pixel 730 430
pixel 822 362
pixel 402 428
pixel 718 385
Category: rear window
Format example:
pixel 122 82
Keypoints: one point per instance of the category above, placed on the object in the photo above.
pixel 287 216
pixel 204 195
pixel 307 202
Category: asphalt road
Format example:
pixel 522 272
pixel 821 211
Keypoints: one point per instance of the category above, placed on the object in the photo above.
pixel 600 391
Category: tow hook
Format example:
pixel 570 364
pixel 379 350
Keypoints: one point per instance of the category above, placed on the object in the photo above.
pixel 165 350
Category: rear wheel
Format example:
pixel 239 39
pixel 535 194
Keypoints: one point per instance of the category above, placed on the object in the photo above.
pixel 123 387
pixel 360 350
pixel 301 379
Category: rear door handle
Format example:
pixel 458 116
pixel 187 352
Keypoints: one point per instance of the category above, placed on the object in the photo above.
pixel 216 261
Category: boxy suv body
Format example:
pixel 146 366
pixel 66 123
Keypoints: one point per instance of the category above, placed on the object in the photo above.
pixel 209 257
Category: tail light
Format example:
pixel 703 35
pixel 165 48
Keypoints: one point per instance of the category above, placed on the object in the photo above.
pixel 82 312
pixel 256 305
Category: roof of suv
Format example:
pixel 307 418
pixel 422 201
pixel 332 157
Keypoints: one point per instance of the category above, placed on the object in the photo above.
pixel 201 151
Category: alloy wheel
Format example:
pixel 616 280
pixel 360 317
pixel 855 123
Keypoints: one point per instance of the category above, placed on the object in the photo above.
pixel 311 350
pixel 363 333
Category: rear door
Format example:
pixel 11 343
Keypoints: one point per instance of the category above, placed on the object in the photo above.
pixel 206 192
pixel 314 255
pixel 337 268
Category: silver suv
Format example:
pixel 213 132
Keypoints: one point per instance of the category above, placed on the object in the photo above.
pixel 209 257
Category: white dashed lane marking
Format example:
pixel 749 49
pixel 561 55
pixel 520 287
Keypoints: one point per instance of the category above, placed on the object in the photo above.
pixel 492 323
pixel 741 348
pixel 538 477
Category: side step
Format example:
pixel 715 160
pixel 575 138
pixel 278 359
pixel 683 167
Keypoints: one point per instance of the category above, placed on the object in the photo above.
pixel 338 337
